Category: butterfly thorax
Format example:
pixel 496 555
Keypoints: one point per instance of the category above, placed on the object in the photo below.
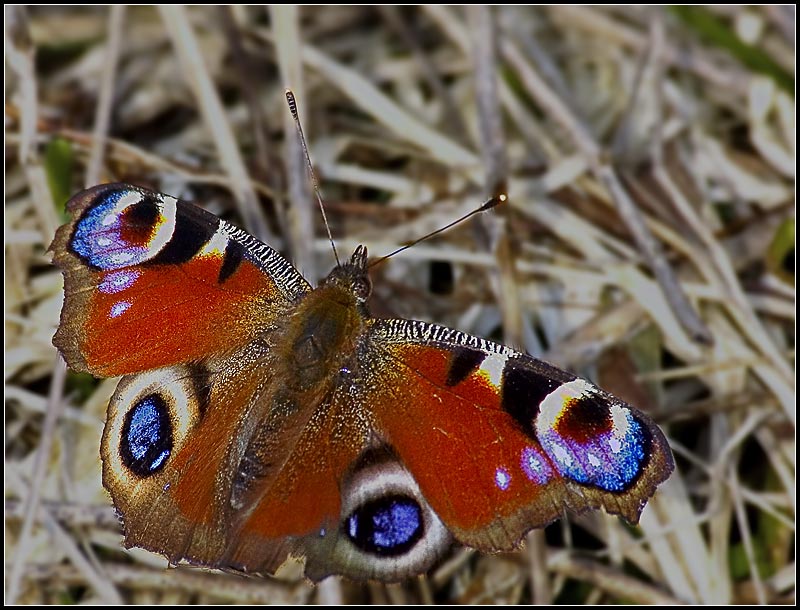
pixel 323 332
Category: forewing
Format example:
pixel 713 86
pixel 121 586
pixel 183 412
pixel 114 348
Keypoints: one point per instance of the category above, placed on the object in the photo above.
pixel 500 442
pixel 151 281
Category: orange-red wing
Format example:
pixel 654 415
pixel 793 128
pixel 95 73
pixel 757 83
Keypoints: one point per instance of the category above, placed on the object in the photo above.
pixel 500 442
pixel 151 281
pixel 305 497
pixel 243 477
pixel 298 501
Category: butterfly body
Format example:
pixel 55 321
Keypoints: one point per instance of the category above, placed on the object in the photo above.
pixel 259 418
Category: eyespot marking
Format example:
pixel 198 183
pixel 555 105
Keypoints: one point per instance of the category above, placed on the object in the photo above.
pixel 146 436
pixel 386 526
pixel 123 226
pixel 590 438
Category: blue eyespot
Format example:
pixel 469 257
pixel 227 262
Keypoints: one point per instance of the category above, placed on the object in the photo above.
pixel 118 230
pixel 146 440
pixel 611 460
pixel 387 526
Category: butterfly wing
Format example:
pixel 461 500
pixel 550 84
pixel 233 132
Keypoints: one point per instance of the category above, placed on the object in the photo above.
pixel 499 442
pixel 203 461
pixel 151 281
pixel 242 493
pixel 344 501
pixel 191 306
pixel 472 440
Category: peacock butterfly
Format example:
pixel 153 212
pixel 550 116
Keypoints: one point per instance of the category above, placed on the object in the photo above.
pixel 259 417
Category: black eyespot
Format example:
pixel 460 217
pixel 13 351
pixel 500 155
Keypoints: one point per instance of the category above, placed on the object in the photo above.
pixel 387 526
pixel 144 214
pixel 146 441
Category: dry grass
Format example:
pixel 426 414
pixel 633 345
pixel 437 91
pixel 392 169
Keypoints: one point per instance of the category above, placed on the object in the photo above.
pixel 649 244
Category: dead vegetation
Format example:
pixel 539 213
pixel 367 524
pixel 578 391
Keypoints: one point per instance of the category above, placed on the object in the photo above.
pixel 648 243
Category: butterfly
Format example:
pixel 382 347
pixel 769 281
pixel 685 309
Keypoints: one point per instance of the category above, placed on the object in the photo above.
pixel 260 418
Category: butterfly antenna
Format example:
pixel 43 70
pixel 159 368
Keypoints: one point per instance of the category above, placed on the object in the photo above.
pixel 290 99
pixel 494 201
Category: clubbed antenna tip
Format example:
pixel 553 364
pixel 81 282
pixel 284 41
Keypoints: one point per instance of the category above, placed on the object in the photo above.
pixel 292 102
pixel 491 203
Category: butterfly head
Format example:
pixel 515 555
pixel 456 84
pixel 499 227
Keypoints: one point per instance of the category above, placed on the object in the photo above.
pixel 353 275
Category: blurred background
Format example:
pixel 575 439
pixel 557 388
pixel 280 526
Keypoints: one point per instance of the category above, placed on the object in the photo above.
pixel 647 243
